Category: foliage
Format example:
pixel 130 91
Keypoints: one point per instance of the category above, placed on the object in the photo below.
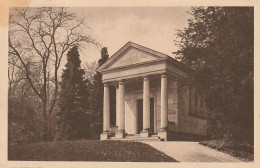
pixel 24 114
pixel 23 124
pixel 90 70
pixel 244 151
pixel 73 119
pixel 38 40
pixel 218 48
pixel 97 93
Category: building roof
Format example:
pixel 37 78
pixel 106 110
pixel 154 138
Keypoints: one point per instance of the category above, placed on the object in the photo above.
pixel 140 47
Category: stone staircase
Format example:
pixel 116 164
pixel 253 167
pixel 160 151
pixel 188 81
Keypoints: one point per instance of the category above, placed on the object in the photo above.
pixel 136 137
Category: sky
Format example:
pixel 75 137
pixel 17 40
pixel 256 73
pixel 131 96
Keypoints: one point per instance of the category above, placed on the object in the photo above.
pixel 113 27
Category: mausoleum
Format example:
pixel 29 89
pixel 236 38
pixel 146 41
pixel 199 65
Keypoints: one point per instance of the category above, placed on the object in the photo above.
pixel 152 99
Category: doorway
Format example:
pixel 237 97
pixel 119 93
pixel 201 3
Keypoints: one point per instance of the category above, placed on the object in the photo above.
pixel 140 115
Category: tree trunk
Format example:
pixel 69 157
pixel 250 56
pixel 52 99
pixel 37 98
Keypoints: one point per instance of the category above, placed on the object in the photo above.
pixel 44 135
pixel 44 100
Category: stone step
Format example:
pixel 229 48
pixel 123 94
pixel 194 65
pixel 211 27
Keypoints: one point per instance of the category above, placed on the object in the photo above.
pixel 137 138
pixel 138 135
pixel 141 138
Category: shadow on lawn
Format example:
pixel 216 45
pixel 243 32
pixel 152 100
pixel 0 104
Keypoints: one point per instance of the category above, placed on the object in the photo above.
pixel 87 150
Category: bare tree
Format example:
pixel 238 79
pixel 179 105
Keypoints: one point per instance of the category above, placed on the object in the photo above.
pixel 90 70
pixel 39 38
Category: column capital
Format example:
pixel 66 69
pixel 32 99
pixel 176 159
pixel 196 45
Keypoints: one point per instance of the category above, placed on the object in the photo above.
pixel 164 76
pixel 106 84
pixel 146 78
pixel 121 82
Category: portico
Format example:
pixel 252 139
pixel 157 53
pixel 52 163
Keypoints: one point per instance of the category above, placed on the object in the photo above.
pixel 146 84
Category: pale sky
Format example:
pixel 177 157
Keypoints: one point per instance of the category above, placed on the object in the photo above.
pixel 113 27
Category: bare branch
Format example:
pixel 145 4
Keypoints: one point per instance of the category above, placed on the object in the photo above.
pixel 25 68
pixel 43 36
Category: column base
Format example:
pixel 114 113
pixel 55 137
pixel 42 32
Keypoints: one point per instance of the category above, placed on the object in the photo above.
pixel 120 134
pixel 104 136
pixel 162 133
pixel 145 133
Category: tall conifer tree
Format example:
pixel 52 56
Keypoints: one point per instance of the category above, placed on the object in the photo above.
pixel 73 119
pixel 97 98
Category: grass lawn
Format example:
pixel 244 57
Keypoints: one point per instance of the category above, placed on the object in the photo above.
pixel 83 150
pixel 240 150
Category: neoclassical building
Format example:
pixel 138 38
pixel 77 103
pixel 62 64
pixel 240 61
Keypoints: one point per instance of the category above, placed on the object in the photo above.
pixel 152 100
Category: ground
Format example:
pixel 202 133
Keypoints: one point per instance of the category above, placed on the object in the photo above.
pixel 125 151
pixel 245 151
pixel 185 151
pixel 84 150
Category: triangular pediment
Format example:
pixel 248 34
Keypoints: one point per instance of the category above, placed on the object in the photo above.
pixel 131 54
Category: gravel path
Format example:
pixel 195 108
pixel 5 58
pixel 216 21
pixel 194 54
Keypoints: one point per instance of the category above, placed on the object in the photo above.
pixel 191 152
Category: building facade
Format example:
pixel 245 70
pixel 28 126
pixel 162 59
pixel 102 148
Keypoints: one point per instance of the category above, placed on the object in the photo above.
pixel 151 96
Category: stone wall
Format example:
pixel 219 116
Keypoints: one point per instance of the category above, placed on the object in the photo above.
pixel 187 123
pixel 173 105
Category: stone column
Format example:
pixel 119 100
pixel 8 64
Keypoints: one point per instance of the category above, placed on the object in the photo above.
pixel 106 113
pixel 117 105
pixel 121 105
pixel 164 107
pixel 146 108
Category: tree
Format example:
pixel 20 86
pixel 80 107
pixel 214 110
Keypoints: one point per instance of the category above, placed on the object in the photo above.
pixel 218 48
pixel 90 70
pixel 73 119
pixel 97 93
pixel 39 38
pixel 24 123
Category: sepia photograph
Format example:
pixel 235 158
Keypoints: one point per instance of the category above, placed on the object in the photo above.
pixel 131 84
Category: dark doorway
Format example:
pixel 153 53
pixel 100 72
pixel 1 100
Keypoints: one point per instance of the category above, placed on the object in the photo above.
pixel 140 114
pixel 112 97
